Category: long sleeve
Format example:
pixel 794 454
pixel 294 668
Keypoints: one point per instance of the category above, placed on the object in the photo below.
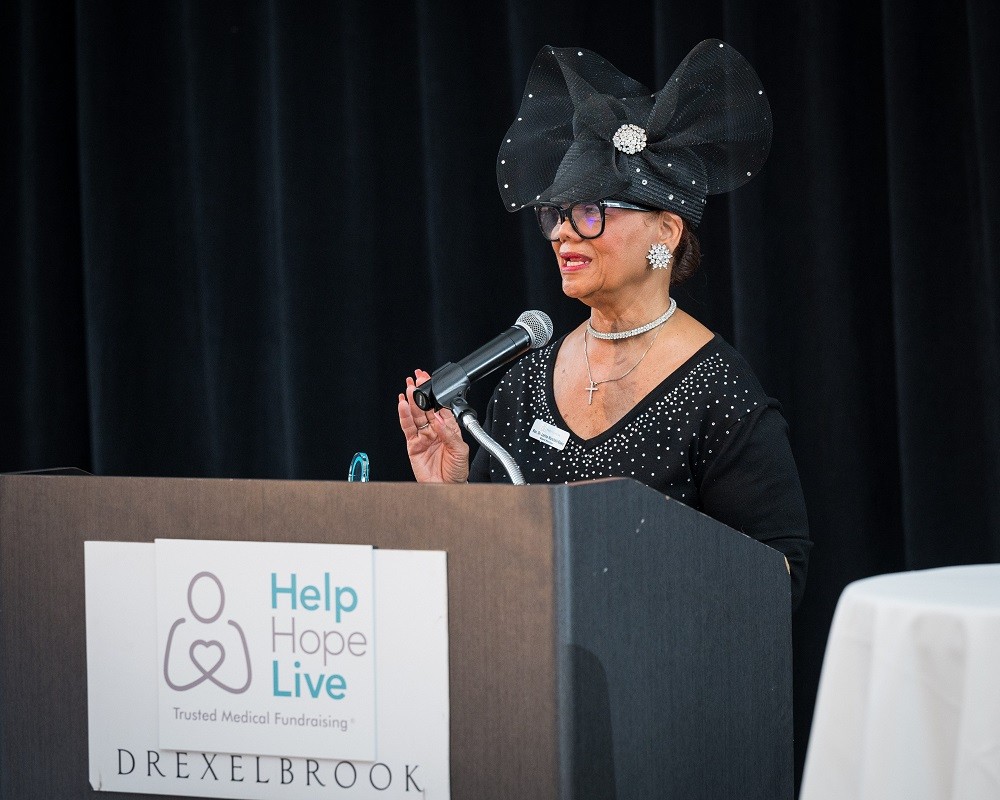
pixel 752 485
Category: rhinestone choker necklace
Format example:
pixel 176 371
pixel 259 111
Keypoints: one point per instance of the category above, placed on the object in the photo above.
pixel 636 331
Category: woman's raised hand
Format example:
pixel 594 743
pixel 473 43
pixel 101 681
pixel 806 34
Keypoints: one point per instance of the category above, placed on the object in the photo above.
pixel 434 443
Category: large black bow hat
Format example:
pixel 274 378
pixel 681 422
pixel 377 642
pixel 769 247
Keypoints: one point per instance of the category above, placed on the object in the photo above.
pixel 585 131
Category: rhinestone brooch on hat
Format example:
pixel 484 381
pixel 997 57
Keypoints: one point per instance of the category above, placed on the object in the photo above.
pixel 630 139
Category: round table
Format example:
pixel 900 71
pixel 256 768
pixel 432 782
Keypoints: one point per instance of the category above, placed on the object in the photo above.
pixel 908 706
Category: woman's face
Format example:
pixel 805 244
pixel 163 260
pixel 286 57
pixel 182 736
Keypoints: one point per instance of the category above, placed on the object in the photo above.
pixel 614 264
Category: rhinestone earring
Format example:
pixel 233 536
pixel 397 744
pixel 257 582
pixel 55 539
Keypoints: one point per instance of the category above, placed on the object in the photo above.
pixel 659 256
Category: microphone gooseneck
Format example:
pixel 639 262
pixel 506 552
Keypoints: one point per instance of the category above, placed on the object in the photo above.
pixel 471 424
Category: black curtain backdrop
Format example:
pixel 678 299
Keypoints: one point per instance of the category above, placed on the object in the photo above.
pixel 231 229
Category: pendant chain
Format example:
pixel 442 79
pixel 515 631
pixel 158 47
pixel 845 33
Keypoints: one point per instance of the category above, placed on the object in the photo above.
pixel 594 385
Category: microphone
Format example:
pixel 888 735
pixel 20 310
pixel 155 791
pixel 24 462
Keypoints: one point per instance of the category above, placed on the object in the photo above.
pixel 533 329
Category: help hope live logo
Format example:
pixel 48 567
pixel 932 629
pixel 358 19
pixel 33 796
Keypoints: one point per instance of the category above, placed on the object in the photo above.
pixel 206 657
pixel 266 652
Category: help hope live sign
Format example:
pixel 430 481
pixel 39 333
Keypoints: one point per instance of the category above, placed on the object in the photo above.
pixel 272 670
pixel 295 666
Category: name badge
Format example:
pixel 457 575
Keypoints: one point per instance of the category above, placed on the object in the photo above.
pixel 549 434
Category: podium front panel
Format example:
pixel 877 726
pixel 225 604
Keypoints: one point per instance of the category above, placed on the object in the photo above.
pixel 604 641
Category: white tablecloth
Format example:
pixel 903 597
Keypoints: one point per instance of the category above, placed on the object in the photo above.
pixel 908 706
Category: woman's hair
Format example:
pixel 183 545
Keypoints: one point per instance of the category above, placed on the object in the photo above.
pixel 687 256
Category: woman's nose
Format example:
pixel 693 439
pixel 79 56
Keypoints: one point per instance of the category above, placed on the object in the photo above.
pixel 566 229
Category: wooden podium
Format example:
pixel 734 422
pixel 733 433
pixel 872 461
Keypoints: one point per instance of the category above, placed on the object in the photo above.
pixel 605 642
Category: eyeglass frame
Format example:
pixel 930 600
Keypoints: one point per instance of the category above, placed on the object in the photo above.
pixel 567 213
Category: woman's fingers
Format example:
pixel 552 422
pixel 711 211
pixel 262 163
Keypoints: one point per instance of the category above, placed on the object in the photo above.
pixel 419 377
pixel 445 425
pixel 433 424
pixel 406 422
pixel 417 415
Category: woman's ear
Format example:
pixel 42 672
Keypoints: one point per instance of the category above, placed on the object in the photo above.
pixel 671 227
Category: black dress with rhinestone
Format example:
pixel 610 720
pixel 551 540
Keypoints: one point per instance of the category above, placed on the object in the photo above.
pixel 708 436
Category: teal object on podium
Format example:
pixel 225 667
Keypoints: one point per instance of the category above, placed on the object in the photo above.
pixel 359 468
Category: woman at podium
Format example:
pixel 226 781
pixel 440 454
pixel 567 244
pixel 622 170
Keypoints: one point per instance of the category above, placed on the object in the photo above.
pixel 617 178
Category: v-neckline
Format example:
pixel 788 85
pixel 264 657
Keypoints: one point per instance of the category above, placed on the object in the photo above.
pixel 663 387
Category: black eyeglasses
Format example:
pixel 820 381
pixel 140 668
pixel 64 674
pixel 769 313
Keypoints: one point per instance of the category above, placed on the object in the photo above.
pixel 587 218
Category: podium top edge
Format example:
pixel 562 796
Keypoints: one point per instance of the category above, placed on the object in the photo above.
pixel 49 471
pixel 57 472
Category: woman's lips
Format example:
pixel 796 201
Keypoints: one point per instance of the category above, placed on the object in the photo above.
pixel 571 262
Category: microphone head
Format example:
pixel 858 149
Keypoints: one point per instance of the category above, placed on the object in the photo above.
pixel 538 325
